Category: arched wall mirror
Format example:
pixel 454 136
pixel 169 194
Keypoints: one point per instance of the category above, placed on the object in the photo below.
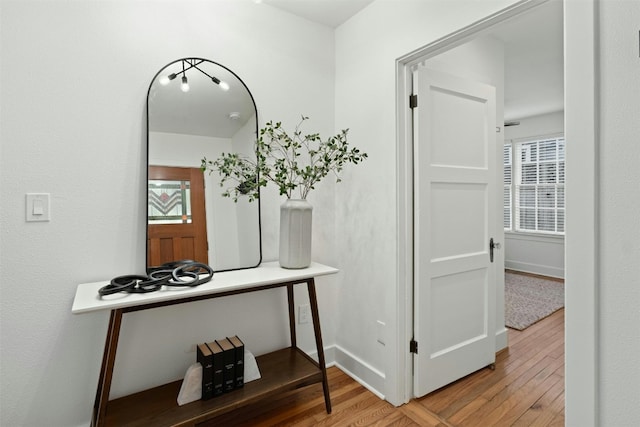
pixel 198 109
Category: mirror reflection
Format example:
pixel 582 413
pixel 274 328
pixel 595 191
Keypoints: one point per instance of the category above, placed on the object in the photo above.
pixel 197 108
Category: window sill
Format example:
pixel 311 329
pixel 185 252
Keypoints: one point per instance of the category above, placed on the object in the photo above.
pixel 535 237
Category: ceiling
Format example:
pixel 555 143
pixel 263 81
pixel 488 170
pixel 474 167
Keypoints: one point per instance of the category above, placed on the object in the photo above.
pixel 533 72
pixel 534 61
pixel 331 13
pixel 533 50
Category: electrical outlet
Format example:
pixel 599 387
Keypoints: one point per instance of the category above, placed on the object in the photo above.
pixel 304 313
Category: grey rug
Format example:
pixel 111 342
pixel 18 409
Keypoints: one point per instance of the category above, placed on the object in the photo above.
pixel 530 299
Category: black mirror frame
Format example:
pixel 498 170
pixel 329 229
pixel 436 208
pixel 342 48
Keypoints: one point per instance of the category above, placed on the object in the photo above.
pixel 146 174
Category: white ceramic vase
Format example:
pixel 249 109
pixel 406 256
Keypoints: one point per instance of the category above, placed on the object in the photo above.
pixel 295 233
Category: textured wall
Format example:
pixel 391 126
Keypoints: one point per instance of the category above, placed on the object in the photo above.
pixel 367 47
pixel 619 147
pixel 74 82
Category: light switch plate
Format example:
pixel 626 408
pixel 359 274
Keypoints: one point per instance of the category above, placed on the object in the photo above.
pixel 38 207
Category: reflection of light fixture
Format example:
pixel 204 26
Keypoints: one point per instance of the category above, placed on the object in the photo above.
pixel 234 116
pixel 224 85
pixel 188 64
pixel 164 80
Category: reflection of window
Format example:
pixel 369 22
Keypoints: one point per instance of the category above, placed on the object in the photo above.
pixel 534 186
pixel 169 202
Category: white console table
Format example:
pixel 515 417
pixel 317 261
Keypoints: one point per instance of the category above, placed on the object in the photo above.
pixel 282 370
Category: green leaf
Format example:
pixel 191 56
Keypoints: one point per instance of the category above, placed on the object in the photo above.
pixel 292 162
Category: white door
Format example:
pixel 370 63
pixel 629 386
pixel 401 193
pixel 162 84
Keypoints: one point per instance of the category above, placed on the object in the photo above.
pixel 454 220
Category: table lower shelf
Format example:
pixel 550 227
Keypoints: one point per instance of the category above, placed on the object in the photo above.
pixel 282 370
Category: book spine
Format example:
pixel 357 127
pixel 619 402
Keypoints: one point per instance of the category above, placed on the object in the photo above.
pixel 218 368
pixel 205 358
pixel 239 354
pixel 229 361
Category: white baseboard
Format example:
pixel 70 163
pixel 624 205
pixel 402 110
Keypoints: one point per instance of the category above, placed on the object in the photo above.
pixel 329 355
pixel 502 340
pixel 369 377
pixel 526 267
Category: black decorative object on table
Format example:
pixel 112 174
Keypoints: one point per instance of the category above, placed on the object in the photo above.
pixel 185 273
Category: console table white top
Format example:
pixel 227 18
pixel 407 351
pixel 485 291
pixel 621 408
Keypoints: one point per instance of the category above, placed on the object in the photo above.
pixel 87 298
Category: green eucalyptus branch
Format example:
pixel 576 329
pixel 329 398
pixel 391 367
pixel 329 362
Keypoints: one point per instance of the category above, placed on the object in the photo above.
pixel 291 162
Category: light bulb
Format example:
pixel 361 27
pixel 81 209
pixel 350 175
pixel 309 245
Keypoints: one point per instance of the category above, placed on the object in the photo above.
pixel 224 85
pixel 185 85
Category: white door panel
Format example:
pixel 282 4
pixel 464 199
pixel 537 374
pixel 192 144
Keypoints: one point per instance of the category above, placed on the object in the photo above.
pixel 453 230
pixel 454 218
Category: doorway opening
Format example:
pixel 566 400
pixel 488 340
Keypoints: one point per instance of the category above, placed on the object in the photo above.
pixel 582 106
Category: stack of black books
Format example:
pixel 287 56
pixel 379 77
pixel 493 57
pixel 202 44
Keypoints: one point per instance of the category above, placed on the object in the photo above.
pixel 222 366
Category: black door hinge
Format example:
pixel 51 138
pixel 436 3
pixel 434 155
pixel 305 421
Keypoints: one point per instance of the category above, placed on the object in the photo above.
pixel 413 101
pixel 413 346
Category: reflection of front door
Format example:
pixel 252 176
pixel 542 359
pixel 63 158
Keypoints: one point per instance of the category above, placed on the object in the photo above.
pixel 177 228
pixel 455 216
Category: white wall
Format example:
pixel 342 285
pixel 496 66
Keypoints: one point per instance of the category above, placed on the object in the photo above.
pixel 619 210
pixel 533 126
pixel 73 92
pixel 367 47
pixel 76 131
pixel 538 253
pixel 535 254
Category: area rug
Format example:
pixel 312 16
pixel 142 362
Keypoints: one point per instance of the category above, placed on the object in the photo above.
pixel 530 299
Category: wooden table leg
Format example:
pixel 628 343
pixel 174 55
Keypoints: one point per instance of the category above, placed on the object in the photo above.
pixel 106 371
pixel 313 300
pixel 292 315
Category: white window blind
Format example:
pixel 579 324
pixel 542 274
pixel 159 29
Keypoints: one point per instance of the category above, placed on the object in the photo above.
pixel 536 186
pixel 507 187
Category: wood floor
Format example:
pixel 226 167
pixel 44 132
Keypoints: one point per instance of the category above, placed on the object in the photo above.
pixel 526 389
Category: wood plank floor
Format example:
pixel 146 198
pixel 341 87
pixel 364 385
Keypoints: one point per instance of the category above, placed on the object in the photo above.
pixel 525 389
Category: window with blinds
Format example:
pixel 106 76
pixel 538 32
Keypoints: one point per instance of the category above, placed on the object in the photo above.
pixel 535 186
pixel 507 187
